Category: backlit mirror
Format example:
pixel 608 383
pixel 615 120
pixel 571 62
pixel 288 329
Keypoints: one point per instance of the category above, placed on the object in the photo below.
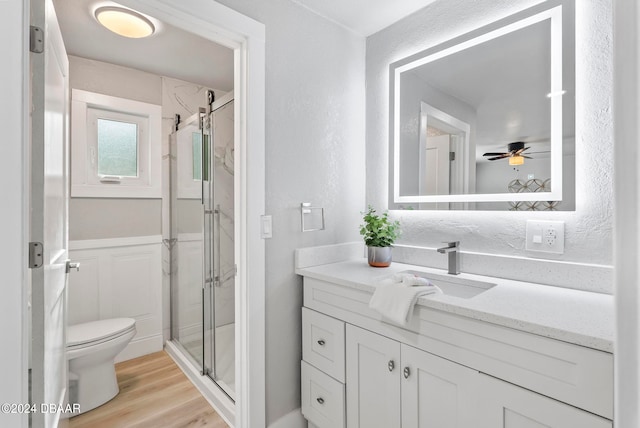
pixel 486 120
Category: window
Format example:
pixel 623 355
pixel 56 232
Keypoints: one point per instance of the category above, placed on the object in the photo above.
pixel 115 147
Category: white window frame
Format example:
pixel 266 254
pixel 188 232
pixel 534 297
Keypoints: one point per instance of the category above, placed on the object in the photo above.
pixel 86 108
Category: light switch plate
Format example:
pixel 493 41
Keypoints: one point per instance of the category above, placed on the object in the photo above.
pixel 266 229
pixel 545 236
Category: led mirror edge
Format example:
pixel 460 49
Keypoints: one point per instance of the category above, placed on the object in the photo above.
pixel 559 12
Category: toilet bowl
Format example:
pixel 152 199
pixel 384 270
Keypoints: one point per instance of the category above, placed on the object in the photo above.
pixel 91 350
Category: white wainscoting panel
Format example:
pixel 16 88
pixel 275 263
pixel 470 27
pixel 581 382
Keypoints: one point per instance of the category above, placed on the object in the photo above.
pixel 119 278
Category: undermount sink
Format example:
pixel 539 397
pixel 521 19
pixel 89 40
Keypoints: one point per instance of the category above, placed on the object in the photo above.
pixel 453 285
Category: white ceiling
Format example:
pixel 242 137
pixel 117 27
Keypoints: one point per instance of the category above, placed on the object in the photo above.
pixel 365 17
pixel 170 52
pixel 176 53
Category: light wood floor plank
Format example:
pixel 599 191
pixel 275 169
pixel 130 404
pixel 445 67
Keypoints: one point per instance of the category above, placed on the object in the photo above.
pixel 153 393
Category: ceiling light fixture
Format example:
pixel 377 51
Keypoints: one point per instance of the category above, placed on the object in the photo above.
pixel 125 22
pixel 516 160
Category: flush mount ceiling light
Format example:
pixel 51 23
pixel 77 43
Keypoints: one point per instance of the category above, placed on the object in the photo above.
pixel 125 22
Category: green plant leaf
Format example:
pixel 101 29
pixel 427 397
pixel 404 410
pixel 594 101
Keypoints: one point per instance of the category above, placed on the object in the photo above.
pixel 378 230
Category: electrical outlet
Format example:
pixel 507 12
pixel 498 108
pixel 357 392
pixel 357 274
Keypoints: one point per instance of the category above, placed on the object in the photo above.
pixel 545 236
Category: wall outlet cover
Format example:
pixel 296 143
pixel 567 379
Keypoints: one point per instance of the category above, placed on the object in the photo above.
pixel 544 236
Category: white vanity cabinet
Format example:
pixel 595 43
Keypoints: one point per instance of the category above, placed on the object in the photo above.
pixel 443 370
pixel 390 384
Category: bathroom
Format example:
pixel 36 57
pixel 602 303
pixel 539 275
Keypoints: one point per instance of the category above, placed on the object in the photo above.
pixel 326 142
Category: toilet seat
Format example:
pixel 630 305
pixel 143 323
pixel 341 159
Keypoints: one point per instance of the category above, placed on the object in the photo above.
pixel 95 332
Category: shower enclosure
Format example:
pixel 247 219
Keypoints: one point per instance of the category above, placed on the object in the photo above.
pixel 202 235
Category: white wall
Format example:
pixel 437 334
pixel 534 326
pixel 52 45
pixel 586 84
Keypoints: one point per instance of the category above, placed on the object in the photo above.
pixel 14 218
pixel 95 218
pixel 314 153
pixel 589 229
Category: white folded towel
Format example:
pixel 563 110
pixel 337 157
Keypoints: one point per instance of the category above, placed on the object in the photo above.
pixel 395 297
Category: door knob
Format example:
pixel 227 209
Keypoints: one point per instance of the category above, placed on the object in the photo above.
pixel 72 265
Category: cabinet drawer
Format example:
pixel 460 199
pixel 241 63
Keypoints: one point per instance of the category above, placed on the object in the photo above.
pixel 323 343
pixel 322 398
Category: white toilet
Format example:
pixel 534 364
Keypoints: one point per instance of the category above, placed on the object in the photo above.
pixel 91 350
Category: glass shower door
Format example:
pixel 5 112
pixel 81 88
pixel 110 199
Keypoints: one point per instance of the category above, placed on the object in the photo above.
pixel 219 356
pixel 187 238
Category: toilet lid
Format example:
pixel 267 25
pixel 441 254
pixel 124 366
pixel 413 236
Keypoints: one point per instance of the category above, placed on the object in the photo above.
pixel 97 330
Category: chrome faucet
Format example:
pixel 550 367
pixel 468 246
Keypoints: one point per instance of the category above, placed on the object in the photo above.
pixel 454 259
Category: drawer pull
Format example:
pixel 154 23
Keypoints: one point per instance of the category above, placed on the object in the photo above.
pixel 406 372
pixel 321 342
pixel 391 365
pixel 320 400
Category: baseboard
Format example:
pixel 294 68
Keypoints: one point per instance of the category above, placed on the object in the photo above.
pixel 140 347
pixel 220 401
pixel 293 419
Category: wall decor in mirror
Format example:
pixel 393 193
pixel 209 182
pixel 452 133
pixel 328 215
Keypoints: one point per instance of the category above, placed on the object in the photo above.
pixel 487 120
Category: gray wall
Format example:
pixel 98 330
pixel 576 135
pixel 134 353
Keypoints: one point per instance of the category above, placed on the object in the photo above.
pixel 314 153
pixel 95 218
pixel 589 229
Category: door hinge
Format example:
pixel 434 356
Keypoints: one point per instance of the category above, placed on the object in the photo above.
pixel 452 156
pixel 36 39
pixel 36 255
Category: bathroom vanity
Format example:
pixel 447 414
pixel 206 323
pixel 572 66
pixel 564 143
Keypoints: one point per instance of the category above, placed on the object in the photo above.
pixel 513 354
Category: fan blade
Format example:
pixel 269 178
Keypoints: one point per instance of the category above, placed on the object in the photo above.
pixel 527 157
pixel 518 152
pixel 498 157
pixel 494 154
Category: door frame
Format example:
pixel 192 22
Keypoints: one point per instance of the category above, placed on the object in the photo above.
pixel 246 37
pixel 210 20
pixel 14 227
pixel 626 99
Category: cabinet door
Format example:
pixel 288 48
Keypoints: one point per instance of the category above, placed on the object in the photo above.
pixel 436 393
pixel 504 405
pixel 373 380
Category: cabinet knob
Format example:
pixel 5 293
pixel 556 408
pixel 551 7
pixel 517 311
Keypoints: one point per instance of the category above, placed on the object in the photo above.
pixel 321 342
pixel 391 365
pixel 406 372
pixel 320 400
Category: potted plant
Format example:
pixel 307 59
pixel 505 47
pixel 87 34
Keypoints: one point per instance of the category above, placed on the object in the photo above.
pixel 379 235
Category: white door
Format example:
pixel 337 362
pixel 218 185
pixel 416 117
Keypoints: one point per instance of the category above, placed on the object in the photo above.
pixel 373 380
pixel 435 165
pixel 504 405
pixel 436 393
pixel 49 219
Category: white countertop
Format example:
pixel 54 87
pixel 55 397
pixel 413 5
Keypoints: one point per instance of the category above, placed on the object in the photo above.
pixel 573 316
